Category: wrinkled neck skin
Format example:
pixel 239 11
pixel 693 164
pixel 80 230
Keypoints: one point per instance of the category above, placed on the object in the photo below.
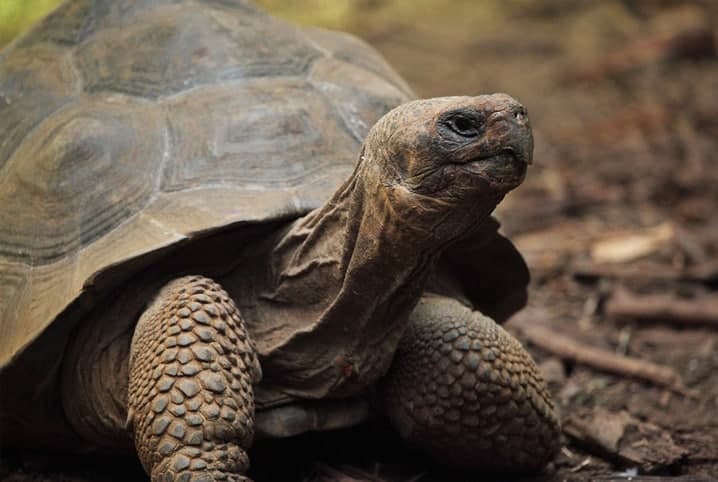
pixel 343 280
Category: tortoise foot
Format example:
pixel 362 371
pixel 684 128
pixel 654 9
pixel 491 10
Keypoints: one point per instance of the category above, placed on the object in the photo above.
pixel 466 391
pixel 210 463
pixel 191 402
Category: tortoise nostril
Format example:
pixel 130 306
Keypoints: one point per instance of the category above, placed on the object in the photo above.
pixel 521 116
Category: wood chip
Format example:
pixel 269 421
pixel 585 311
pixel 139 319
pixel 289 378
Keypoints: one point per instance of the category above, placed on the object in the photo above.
pixel 620 436
pixel 631 245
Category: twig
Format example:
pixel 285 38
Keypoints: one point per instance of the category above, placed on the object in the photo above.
pixel 570 349
pixel 703 273
pixel 624 304
pixel 581 466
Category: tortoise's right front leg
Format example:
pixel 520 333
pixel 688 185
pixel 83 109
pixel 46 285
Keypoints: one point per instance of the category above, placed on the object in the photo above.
pixel 190 397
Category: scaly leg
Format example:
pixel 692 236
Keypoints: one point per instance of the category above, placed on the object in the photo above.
pixel 466 391
pixel 190 400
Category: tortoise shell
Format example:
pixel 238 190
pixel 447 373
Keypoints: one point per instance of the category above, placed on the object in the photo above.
pixel 130 127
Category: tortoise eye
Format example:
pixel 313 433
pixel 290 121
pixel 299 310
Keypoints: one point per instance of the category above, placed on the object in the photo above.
pixel 463 126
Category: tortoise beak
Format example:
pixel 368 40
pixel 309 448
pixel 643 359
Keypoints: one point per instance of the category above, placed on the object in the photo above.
pixel 513 128
pixel 525 136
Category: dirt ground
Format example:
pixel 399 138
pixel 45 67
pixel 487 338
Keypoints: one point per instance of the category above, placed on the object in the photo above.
pixel 617 221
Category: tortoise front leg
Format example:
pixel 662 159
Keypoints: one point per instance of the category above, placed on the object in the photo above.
pixel 190 397
pixel 466 391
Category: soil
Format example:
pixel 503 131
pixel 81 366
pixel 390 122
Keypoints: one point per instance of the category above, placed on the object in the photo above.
pixel 620 203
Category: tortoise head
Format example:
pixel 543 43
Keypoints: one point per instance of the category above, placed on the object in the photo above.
pixel 451 157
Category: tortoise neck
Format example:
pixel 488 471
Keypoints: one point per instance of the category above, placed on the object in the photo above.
pixel 343 281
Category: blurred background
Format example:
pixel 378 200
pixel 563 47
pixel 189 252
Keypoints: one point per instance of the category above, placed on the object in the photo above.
pixel 617 218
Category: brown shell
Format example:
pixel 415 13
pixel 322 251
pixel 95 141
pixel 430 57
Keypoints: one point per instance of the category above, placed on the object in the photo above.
pixel 130 126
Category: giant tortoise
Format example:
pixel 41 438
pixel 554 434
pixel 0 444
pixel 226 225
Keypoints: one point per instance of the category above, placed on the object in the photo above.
pixel 202 237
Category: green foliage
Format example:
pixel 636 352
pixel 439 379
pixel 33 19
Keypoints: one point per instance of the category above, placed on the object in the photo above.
pixel 323 13
pixel 16 16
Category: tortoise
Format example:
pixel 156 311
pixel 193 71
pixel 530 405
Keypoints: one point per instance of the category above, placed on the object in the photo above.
pixel 216 224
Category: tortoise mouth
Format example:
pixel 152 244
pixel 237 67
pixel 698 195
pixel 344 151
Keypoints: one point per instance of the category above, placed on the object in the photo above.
pixel 505 156
pixel 503 167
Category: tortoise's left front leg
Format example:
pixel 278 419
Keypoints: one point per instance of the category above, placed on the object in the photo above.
pixel 466 391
